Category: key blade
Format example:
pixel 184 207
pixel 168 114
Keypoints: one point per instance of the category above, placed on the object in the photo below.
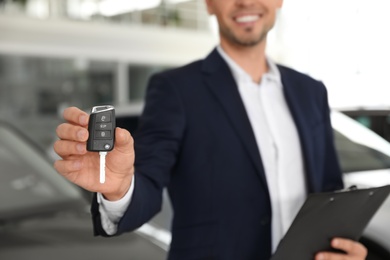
pixel 102 176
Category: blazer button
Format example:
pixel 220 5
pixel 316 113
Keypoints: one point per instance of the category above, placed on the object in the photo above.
pixel 265 220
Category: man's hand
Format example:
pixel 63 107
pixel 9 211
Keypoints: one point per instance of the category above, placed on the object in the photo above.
pixel 354 250
pixel 82 167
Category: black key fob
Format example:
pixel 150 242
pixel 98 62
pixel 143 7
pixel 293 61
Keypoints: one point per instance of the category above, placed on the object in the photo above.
pixel 101 129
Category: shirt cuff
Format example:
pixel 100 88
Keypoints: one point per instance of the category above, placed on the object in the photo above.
pixel 112 211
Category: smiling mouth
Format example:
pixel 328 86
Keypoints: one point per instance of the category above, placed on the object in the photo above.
pixel 247 18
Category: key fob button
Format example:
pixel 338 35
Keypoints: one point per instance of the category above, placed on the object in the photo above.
pixel 103 126
pixel 103 134
pixel 103 117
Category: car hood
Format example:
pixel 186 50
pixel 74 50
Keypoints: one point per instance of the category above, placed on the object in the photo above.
pixel 367 179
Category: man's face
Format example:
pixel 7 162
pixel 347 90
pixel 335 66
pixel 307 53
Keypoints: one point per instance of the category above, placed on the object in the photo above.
pixel 244 22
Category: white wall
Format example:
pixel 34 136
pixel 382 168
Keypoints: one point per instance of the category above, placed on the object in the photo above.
pixel 345 43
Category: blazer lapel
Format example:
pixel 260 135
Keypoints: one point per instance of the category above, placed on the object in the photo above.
pixel 220 81
pixel 301 113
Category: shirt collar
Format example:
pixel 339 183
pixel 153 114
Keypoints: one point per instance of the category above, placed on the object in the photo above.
pixel 239 74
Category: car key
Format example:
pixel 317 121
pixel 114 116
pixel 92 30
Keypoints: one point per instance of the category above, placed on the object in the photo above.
pixel 101 128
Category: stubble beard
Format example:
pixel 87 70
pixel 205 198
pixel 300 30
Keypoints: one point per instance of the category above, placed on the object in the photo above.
pixel 242 41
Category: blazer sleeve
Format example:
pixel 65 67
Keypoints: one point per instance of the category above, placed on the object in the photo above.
pixel 157 144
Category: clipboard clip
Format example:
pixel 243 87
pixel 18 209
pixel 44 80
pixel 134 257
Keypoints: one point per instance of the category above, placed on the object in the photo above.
pixel 350 188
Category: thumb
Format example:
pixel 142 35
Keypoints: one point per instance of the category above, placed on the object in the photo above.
pixel 119 166
pixel 121 159
pixel 123 141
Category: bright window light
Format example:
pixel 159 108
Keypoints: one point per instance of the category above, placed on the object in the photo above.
pixel 176 1
pixel 115 7
pixel 38 8
pixel 88 8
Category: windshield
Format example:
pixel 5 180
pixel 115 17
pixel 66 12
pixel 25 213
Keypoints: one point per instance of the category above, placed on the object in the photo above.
pixel 356 157
pixel 359 149
pixel 28 182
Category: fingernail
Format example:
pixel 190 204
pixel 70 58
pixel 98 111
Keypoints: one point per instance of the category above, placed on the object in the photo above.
pixel 81 134
pixel 320 257
pixel 83 120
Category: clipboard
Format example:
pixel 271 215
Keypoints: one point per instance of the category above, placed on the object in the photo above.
pixel 326 215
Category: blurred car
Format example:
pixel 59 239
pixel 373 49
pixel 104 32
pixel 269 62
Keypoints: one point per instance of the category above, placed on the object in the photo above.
pixel 377 118
pixel 43 216
pixel 364 158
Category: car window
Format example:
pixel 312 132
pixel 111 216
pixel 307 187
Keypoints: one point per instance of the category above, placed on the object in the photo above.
pixel 359 149
pixel 356 157
pixel 28 182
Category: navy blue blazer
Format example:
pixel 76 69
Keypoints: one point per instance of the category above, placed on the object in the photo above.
pixel 195 138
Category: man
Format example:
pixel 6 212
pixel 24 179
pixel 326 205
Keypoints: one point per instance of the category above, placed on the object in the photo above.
pixel 238 141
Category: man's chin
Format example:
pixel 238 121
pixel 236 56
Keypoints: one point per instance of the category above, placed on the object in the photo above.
pixel 248 42
pixel 248 39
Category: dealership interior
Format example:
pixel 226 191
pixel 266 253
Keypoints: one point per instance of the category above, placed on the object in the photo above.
pixel 60 53
pixel 86 52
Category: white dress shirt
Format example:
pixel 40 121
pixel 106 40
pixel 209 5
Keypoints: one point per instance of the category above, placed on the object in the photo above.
pixel 278 143
pixel 112 211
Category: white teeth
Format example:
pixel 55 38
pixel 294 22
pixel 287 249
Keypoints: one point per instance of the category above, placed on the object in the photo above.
pixel 247 18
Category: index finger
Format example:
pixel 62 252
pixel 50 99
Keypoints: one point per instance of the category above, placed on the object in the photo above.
pixel 75 115
pixel 350 246
pixel 352 249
